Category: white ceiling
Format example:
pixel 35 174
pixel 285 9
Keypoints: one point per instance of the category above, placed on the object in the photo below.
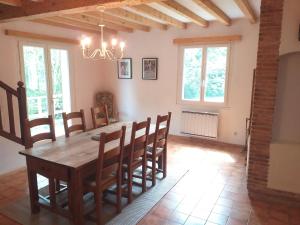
pixel 228 6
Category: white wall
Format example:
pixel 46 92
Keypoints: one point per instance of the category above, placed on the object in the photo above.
pixel 86 76
pixel 286 125
pixel 290 27
pixel 284 167
pixel 139 98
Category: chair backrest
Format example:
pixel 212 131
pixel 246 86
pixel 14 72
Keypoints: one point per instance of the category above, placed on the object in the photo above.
pixel 99 116
pixel 41 136
pixel 161 131
pixel 75 127
pixel 110 162
pixel 106 98
pixel 139 138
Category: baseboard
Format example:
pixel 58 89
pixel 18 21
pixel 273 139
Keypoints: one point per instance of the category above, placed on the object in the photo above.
pixel 205 141
pixel 273 198
pixel 13 172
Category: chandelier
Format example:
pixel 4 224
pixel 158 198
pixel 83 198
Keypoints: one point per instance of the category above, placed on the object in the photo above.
pixel 114 51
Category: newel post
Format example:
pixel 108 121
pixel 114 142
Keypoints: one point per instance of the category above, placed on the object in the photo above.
pixel 22 110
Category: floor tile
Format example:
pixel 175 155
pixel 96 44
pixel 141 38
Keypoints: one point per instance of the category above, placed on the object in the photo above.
pixel 178 217
pixel 218 218
pixel 213 192
pixel 195 221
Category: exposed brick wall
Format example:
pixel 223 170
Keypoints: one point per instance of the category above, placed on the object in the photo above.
pixel 264 102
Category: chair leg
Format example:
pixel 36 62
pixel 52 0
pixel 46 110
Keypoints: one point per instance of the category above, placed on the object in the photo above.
pixel 160 162
pixel 119 194
pixel 98 200
pixel 123 178
pixel 164 163
pixel 144 174
pixel 153 172
pixel 129 183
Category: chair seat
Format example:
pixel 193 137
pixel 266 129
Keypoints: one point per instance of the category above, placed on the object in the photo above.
pixel 135 164
pixel 150 150
pixel 90 183
pixel 113 120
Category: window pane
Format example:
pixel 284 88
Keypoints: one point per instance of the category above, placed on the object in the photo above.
pixel 35 81
pixel 192 66
pixel 61 86
pixel 36 85
pixel 216 64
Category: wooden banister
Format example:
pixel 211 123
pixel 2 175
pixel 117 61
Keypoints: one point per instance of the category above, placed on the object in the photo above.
pixel 8 89
pixel 11 113
pixel 22 109
pixel 20 94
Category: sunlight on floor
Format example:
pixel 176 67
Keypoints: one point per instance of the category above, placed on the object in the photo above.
pixel 220 157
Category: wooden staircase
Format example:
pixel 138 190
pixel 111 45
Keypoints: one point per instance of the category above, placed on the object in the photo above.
pixel 20 94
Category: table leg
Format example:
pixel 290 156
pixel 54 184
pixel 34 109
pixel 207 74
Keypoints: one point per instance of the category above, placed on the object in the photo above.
pixel 76 197
pixel 33 188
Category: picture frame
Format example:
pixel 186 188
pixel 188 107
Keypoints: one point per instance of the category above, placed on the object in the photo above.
pixel 149 68
pixel 125 68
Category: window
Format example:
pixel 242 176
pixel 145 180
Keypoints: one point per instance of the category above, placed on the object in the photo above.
pixel 203 74
pixel 45 70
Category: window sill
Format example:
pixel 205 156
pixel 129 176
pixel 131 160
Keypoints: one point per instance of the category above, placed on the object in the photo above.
pixel 204 105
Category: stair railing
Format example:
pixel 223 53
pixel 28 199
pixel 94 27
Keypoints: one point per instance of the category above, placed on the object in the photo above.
pixel 20 94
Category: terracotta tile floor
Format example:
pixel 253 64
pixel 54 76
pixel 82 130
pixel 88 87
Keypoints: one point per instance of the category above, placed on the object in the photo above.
pixel 213 192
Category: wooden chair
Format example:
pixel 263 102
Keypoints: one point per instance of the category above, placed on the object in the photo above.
pixel 138 155
pixel 107 98
pixel 99 116
pixel 75 127
pixel 54 185
pixel 109 170
pixel 30 140
pixel 157 153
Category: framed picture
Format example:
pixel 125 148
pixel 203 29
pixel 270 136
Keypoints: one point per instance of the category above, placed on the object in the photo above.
pixel 125 68
pixel 149 68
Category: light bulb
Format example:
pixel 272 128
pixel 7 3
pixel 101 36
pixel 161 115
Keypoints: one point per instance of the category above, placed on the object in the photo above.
pixel 104 45
pixel 85 42
pixel 114 42
pixel 122 45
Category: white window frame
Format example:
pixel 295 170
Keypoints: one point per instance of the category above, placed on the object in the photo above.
pixel 201 102
pixel 47 46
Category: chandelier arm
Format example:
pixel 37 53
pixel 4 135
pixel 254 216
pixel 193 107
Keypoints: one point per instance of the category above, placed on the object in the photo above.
pixel 104 52
pixel 110 55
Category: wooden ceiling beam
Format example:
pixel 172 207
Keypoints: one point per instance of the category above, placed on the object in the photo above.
pixel 207 40
pixel 145 9
pixel 47 8
pixel 94 21
pixel 11 2
pixel 70 22
pixel 246 9
pixel 214 10
pixel 119 21
pixel 130 16
pixel 178 8
pixel 43 37
pixel 65 26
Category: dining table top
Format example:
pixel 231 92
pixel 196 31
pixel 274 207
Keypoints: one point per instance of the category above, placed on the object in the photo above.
pixel 81 148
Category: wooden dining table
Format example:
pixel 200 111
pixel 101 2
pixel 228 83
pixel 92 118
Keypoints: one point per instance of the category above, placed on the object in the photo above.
pixel 70 160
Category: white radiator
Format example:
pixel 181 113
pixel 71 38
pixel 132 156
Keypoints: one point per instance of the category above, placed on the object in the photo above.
pixel 203 124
